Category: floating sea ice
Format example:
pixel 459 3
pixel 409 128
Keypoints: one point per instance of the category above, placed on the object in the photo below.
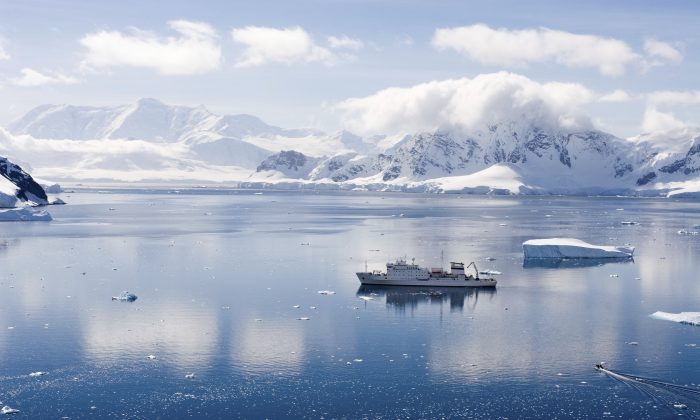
pixel 8 410
pixel 24 214
pixel 189 376
pixel 688 232
pixel 296 306
pixel 572 248
pixel 633 343
pixel 357 360
pixel 690 318
pixel 680 406
pixel 629 223
pixel 125 297
pixel 326 292
pixel 490 259
pixel 366 298
pixel 35 374
pixel 614 275
pixel 303 318
pixel 151 357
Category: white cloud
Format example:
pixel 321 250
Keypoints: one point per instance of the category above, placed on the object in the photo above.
pixel 31 78
pixel 617 95
pixel 514 48
pixel 674 97
pixel 467 104
pixel 655 121
pixel 271 45
pixel 662 51
pixel 345 42
pixel 196 50
pixel 3 54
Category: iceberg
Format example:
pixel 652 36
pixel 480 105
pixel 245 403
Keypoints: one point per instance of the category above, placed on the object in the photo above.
pixel 24 214
pixel 572 248
pixel 690 318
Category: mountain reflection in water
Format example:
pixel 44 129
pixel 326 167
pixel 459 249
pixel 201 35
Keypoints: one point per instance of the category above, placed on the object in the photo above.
pixel 401 297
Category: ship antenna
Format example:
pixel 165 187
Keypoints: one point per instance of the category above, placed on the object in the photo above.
pixel 442 259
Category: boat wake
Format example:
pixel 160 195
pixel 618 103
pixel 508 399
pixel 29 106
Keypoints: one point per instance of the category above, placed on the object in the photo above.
pixel 680 399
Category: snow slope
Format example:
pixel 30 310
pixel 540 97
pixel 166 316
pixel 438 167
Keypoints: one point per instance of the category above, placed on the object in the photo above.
pixel 150 140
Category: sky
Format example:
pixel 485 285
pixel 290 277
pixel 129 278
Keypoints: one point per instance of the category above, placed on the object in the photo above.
pixel 371 66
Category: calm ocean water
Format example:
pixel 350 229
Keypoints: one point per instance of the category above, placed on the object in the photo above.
pixel 218 277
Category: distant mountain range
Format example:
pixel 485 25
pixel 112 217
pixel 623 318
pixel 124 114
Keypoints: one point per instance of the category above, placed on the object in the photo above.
pixel 153 141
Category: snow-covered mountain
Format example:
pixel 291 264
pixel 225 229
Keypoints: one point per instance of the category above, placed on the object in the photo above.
pixel 147 119
pixel 19 186
pixel 150 140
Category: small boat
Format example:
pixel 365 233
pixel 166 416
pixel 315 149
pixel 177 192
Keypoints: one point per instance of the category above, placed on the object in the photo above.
pixel 400 273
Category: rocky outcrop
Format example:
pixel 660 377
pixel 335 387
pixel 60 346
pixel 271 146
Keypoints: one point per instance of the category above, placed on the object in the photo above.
pixel 28 190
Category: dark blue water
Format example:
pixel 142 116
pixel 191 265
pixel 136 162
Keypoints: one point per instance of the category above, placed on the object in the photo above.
pixel 218 275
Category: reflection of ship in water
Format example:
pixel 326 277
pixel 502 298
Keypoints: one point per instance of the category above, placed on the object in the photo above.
pixel 402 297
pixel 572 262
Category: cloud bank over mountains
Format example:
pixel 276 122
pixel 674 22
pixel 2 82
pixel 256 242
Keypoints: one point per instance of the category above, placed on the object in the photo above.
pixel 199 49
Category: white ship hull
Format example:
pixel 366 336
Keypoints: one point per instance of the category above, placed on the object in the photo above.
pixel 449 281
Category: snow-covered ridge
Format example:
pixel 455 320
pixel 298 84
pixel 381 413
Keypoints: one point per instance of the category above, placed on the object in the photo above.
pixel 153 141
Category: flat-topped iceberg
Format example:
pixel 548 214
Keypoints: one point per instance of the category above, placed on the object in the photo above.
pixel 572 248
pixel 690 318
pixel 24 214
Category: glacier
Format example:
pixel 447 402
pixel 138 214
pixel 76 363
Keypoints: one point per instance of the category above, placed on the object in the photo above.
pixel 573 249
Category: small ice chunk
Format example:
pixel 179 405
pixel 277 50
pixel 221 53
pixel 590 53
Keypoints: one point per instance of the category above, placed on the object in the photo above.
pixel 38 373
pixel 688 232
pixel 633 343
pixel 614 275
pixel 296 306
pixel 326 292
pixel 572 248
pixel 680 406
pixel 189 376
pixel 629 223
pixel 303 318
pixel 151 357
pixel 8 410
pixel 366 298
pixel 357 360
pixel 690 318
pixel 125 297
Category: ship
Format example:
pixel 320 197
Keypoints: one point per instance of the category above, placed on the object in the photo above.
pixel 401 273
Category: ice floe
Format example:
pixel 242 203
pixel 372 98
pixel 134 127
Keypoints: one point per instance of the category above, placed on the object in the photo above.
pixel 8 410
pixel 125 297
pixel 572 248
pixel 24 214
pixel 36 374
pixel 326 292
pixel 690 318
